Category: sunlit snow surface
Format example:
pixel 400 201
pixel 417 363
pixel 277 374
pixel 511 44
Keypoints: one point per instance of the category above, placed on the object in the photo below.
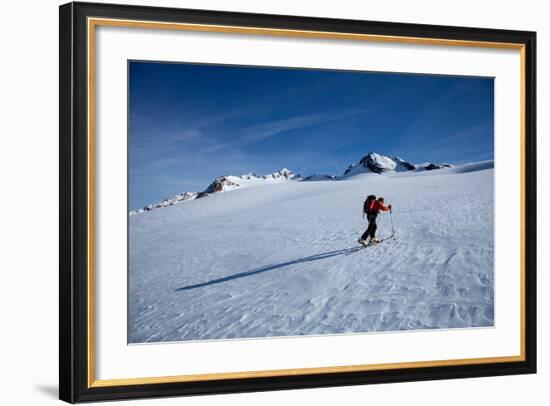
pixel 282 259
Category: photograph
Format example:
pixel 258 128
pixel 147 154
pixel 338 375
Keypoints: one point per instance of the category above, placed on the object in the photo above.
pixel 284 201
pixel 253 201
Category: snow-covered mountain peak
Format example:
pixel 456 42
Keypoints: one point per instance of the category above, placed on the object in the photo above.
pixel 170 201
pixel 377 163
pixel 231 182
pixel 222 183
pixel 248 176
pixel 370 163
pixel 226 183
pixel 283 173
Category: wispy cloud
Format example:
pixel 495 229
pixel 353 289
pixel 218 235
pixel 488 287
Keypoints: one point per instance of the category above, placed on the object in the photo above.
pixel 430 127
pixel 464 136
pixel 454 145
pixel 259 132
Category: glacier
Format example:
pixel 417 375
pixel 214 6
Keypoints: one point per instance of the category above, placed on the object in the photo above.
pixel 281 259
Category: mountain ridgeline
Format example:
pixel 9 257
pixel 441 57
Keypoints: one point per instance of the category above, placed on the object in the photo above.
pixel 370 163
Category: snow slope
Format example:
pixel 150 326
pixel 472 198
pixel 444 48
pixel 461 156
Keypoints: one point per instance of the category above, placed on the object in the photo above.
pixel 370 163
pixel 282 259
pixel 225 184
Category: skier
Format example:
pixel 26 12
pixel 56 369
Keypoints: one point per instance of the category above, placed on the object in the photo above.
pixel 371 208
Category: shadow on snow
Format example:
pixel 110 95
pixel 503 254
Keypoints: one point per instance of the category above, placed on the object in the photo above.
pixel 315 257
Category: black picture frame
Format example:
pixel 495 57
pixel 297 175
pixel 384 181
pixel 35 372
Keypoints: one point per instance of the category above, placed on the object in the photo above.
pixel 74 385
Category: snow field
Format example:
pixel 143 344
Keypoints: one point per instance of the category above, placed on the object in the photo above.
pixel 282 259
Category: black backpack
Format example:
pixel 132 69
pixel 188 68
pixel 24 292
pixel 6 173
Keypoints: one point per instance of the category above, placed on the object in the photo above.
pixel 368 202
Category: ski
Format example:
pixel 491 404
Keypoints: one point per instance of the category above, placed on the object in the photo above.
pixel 372 243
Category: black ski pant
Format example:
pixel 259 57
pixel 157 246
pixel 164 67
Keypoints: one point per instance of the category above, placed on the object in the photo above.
pixel 371 229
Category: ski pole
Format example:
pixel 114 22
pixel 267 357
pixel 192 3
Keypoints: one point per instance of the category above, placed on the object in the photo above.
pixel 391 218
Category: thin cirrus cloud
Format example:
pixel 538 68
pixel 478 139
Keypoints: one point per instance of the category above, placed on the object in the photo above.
pixel 260 132
pixel 464 140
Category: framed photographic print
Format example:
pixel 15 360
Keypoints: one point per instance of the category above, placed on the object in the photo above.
pixel 258 202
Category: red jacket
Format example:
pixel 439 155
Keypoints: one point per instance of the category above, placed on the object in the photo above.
pixel 376 206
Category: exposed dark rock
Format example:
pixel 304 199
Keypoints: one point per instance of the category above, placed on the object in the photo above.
pixel 202 194
pixel 219 184
pixel 431 167
pixel 312 178
pixel 348 169
pixel 407 165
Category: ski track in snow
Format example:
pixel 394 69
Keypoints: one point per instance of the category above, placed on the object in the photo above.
pixel 282 259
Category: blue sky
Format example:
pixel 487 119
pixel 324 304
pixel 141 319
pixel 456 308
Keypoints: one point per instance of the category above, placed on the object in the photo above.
pixel 190 123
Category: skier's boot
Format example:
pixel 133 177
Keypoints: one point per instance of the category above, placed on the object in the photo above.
pixel 374 240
